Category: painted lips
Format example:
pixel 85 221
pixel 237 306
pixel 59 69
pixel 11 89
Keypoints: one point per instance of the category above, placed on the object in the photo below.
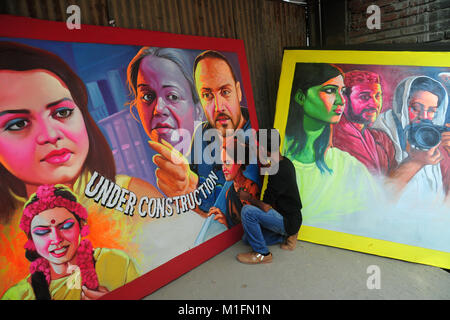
pixel 58 156
pixel 222 118
pixel 163 127
pixel 58 253
pixel 339 110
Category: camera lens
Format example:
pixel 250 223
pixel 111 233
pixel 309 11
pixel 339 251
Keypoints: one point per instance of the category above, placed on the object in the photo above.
pixel 427 137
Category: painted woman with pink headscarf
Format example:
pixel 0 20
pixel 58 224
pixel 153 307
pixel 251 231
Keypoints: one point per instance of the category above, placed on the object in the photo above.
pixel 64 265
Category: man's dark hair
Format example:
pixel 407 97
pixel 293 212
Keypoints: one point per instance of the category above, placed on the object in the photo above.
pixel 236 155
pixel 215 55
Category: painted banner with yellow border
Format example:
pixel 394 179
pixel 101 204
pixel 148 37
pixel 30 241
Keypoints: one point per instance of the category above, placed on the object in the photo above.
pixel 361 128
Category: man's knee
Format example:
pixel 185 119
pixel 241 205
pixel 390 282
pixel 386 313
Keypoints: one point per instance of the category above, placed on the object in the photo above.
pixel 247 211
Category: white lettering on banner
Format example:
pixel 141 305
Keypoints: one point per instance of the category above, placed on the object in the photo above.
pixel 110 195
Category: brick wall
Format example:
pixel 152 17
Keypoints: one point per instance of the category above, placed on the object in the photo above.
pixel 402 21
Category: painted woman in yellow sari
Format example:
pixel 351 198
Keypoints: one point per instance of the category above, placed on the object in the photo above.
pixel 47 136
pixel 63 265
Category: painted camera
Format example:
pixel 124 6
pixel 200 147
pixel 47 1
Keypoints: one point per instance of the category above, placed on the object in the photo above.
pixel 425 135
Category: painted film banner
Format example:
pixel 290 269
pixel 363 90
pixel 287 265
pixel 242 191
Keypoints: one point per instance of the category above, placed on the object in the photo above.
pixel 369 135
pixel 106 165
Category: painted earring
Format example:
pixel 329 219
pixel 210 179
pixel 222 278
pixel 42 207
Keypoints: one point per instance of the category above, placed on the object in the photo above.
pixel 29 245
pixel 84 231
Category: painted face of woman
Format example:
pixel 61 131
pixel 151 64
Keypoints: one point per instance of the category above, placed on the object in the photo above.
pixel 164 101
pixel 43 137
pixel 230 169
pixel 56 235
pixel 423 105
pixel 324 102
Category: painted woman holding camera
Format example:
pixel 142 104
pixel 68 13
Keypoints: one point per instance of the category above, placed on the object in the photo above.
pixel 422 173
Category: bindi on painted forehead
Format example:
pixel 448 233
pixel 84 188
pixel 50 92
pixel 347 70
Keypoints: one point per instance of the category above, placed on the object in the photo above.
pixel 50 217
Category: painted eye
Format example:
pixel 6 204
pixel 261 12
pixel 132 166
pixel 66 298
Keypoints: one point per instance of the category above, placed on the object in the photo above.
pixel 17 124
pixel 207 95
pixel 173 97
pixel 364 97
pixel 62 113
pixel 329 90
pixel 415 108
pixel 67 225
pixel 41 232
pixel 149 97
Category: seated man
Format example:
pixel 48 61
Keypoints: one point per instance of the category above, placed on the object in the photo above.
pixel 233 167
pixel 278 217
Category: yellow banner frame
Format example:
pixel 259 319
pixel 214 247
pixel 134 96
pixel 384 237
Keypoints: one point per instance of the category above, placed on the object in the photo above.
pixel 339 239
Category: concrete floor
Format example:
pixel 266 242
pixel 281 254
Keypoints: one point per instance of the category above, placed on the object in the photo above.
pixel 311 271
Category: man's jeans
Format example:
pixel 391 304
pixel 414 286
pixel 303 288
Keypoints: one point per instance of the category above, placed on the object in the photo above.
pixel 262 229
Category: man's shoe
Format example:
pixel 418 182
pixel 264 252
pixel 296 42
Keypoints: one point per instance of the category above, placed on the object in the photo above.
pixel 290 243
pixel 254 258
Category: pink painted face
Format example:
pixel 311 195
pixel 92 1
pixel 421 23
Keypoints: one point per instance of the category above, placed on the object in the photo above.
pixel 164 100
pixel 56 235
pixel 229 168
pixel 43 138
pixel 423 105
pixel 365 103
pixel 220 95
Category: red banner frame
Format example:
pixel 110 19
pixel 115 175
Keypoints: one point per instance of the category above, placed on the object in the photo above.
pixel 30 28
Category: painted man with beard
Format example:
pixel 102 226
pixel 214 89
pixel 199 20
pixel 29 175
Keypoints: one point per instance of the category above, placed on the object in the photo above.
pixel 354 134
pixel 220 96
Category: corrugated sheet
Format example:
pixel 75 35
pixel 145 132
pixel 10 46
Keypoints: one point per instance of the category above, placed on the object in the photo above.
pixel 264 26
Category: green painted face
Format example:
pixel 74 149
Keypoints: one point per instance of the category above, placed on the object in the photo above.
pixel 324 102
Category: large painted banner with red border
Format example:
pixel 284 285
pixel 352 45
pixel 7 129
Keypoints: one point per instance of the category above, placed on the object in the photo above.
pixel 105 180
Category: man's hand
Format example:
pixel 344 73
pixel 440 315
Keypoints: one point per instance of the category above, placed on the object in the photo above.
pixel 246 196
pixel 174 175
pixel 424 157
pixel 219 216
pixel 265 207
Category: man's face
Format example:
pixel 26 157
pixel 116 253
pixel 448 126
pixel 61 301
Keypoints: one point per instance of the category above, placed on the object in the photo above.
pixel 219 94
pixel 365 103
